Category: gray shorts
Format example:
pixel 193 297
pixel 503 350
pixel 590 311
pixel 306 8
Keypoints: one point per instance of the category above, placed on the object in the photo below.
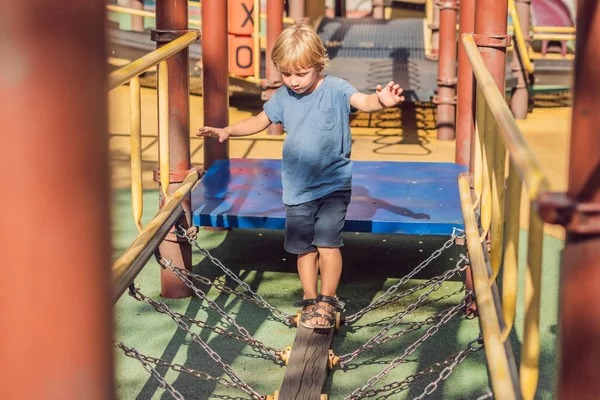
pixel 317 223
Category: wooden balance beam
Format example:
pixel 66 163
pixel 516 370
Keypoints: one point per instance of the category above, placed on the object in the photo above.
pixel 307 367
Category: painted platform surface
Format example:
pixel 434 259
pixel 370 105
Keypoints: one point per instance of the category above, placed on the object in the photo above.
pixel 387 197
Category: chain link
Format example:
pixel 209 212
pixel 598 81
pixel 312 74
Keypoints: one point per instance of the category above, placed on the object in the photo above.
pixel 448 370
pixel 181 275
pixel 163 309
pixel 278 314
pixel 380 338
pixel 397 387
pixel 270 352
pixel 378 302
pixel 359 393
pixel 226 289
pixel 145 361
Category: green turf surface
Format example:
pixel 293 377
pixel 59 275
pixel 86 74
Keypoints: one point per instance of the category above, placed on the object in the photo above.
pixel 373 263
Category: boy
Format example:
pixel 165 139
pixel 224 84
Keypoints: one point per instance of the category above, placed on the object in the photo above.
pixel 316 168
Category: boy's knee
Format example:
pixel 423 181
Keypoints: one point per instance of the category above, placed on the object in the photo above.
pixel 325 251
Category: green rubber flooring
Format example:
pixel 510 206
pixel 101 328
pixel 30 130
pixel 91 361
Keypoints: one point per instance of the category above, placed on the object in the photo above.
pixel 372 263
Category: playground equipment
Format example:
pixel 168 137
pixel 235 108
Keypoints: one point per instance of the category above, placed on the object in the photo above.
pixel 65 286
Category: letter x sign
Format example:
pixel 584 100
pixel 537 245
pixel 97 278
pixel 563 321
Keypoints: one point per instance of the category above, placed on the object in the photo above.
pixel 248 14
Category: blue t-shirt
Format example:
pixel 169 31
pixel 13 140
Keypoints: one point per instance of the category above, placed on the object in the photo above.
pixel 316 150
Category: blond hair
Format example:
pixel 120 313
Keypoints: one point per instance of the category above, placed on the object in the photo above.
pixel 297 48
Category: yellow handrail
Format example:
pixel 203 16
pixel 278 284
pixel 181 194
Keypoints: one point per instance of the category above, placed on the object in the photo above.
pixel 495 353
pixel 526 163
pixel 554 29
pixel 286 20
pixel 122 272
pixel 553 36
pixel 523 50
pixel 137 67
pixel 497 132
pixel 144 13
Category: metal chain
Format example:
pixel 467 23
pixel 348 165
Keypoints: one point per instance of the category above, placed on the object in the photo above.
pixel 146 360
pixel 271 352
pixel 456 233
pixel 162 308
pixel 380 339
pixel 474 346
pixel 280 315
pixel 358 393
pixel 226 289
pixel 133 353
pixel 400 386
pixel 181 275
pixel 416 288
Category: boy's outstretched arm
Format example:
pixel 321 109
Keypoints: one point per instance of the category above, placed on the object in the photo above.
pixel 246 127
pixel 387 96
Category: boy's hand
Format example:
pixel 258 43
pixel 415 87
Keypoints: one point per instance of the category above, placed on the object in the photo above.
pixel 390 95
pixel 217 133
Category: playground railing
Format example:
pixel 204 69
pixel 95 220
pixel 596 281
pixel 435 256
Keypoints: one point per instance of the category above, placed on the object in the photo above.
pixel 146 14
pixel 498 142
pixel 521 44
pixel 126 268
pixel 258 34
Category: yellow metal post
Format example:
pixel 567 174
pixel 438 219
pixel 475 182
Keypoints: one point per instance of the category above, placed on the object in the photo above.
pixel 498 184
pixel 530 353
pixel 163 127
pixel 478 147
pixel 135 112
pixel 511 250
pixel 495 353
pixel 486 136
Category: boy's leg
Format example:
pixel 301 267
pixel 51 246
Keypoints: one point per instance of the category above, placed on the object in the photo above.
pixel 299 235
pixel 308 270
pixel 330 264
pixel 328 239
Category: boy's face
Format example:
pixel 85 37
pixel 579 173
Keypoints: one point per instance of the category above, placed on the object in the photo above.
pixel 303 81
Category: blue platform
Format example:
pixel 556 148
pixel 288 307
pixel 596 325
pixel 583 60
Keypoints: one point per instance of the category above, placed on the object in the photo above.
pixel 387 197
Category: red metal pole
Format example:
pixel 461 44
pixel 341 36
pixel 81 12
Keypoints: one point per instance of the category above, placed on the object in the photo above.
pixel 274 28
pixel 297 10
pixel 55 341
pixel 340 8
pixel 215 77
pixel 579 306
pixel 171 21
pixel 519 101
pixel 490 35
pixel 435 32
pixel 137 22
pixel 446 93
pixel 465 94
pixel 378 9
